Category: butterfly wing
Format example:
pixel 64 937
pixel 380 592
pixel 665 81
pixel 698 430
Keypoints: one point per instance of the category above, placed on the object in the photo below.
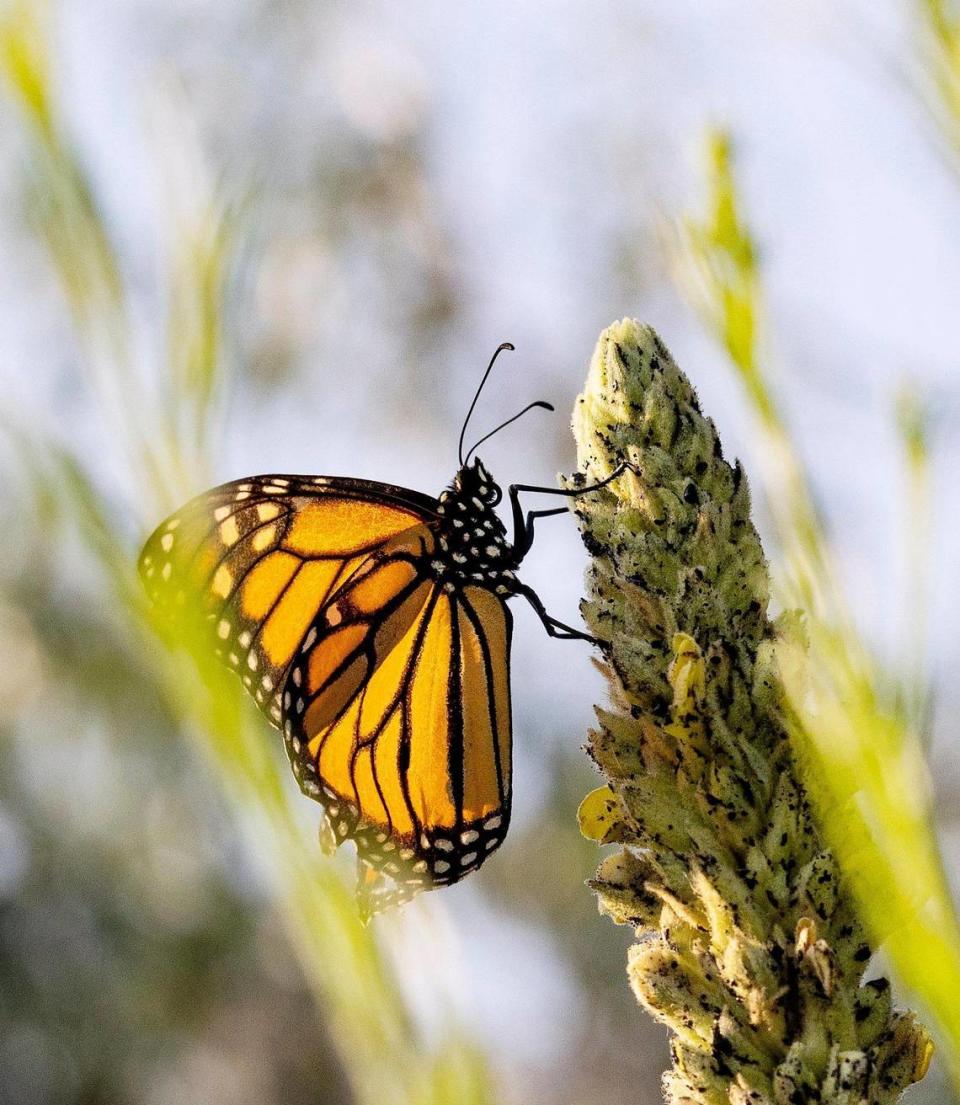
pixel 260 557
pixel 392 688
pixel 397 719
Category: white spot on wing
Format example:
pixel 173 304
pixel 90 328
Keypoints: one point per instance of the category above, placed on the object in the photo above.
pixel 229 532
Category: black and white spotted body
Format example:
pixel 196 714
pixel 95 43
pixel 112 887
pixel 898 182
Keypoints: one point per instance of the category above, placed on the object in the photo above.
pixel 472 546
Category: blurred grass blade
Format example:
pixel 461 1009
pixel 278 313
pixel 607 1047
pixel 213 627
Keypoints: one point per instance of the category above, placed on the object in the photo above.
pixel 730 293
pixel 938 24
pixel 81 245
pixel 205 220
pixel 863 754
pixel 913 424
pixel 869 774
pixel 719 270
pixel 68 221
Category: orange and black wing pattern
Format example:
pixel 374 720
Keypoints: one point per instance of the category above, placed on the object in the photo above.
pixel 390 683
pixel 399 723
pixel 257 558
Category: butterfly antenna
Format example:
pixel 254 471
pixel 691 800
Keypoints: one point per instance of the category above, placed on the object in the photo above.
pixel 541 403
pixel 500 349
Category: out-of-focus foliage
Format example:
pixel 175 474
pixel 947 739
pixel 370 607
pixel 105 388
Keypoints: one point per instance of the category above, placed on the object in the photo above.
pixel 856 733
pixel 939 74
pixel 914 418
pixel 720 270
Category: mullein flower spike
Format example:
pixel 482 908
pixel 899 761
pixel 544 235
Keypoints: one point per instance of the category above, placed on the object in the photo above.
pixel 749 947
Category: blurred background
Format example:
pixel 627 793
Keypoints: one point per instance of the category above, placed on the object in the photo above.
pixel 285 236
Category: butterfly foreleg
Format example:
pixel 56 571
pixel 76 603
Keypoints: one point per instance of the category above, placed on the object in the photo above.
pixel 523 521
pixel 531 516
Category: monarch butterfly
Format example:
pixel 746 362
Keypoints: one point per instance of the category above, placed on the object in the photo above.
pixel 370 624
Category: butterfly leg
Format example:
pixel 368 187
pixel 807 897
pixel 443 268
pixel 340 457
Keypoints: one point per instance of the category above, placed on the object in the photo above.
pixel 532 516
pixel 553 627
pixel 523 521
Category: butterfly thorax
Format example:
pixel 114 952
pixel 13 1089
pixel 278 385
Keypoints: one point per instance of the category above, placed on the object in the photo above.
pixel 472 547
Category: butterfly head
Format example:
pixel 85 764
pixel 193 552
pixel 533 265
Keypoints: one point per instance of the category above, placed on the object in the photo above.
pixel 472 492
pixel 472 543
pixel 475 482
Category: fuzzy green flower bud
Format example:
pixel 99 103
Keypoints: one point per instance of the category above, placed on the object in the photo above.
pixel 750 949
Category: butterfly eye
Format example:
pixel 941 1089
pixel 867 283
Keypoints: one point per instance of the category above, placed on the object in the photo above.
pixel 493 495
